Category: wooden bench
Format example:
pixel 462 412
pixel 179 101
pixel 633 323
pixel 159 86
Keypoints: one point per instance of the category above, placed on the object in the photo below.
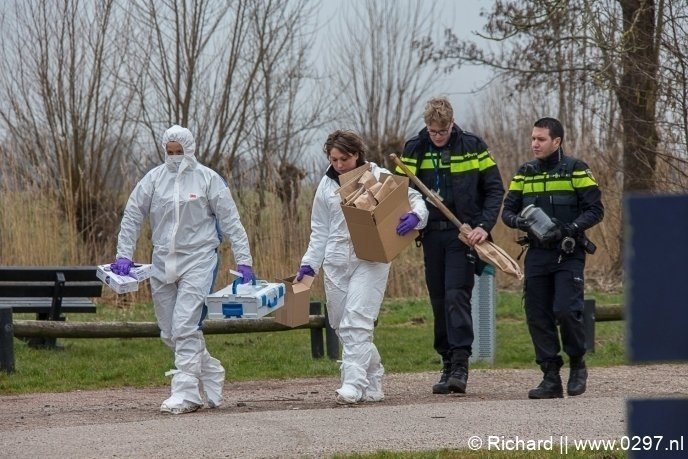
pixel 49 291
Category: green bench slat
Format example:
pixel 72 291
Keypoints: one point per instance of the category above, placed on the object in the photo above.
pixel 42 305
pixel 45 289
pixel 30 289
pixel 47 273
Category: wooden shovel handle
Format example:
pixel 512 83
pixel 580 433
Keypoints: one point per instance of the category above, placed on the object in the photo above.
pixel 424 189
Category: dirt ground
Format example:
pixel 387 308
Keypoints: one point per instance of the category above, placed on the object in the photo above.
pixel 128 404
pixel 45 411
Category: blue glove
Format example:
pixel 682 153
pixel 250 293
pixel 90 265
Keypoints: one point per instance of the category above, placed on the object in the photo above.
pixel 304 270
pixel 407 223
pixel 122 266
pixel 246 273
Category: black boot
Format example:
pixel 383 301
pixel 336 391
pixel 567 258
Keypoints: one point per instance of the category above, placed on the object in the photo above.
pixel 551 386
pixel 458 378
pixel 578 376
pixel 442 387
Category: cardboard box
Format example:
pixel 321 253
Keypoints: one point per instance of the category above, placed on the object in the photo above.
pixel 245 301
pixel 296 310
pixel 373 232
pixel 124 284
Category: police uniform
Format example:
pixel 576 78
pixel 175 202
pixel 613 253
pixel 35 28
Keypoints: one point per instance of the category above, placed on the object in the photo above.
pixel 466 177
pixel 565 189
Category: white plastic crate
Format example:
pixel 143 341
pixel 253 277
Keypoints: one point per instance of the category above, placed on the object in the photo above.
pixel 245 301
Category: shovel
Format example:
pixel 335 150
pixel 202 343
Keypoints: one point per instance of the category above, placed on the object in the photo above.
pixel 488 251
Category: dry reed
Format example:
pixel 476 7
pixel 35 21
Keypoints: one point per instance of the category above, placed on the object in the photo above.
pixel 35 231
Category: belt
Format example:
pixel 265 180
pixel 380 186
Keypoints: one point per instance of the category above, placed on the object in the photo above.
pixel 537 244
pixel 441 225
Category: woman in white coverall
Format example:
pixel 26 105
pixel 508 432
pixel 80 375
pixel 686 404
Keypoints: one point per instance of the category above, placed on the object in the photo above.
pixel 354 287
pixel 191 210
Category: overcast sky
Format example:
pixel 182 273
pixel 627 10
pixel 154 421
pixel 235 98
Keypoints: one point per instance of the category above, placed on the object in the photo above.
pixel 463 17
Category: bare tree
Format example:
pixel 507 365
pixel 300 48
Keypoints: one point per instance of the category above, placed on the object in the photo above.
pixel 608 64
pixel 65 108
pixel 584 51
pixel 232 71
pixel 199 67
pixel 284 99
pixel 381 81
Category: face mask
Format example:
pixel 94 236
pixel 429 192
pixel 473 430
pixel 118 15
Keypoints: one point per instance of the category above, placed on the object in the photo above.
pixel 176 159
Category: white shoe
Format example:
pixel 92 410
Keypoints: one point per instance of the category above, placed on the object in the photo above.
pixel 346 395
pixel 373 396
pixel 170 407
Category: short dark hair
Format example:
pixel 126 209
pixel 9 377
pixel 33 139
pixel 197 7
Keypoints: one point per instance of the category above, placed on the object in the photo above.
pixel 347 142
pixel 553 125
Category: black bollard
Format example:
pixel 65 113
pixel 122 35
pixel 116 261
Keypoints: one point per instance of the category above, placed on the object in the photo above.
pixel 6 340
pixel 331 340
pixel 317 344
pixel 589 322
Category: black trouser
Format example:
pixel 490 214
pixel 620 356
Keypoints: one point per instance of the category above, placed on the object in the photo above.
pixel 449 277
pixel 554 296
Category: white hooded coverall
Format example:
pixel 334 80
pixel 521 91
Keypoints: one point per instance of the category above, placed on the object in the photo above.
pixel 191 210
pixel 354 288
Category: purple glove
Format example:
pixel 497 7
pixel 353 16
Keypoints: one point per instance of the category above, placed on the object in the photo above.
pixel 121 266
pixel 407 223
pixel 304 270
pixel 246 273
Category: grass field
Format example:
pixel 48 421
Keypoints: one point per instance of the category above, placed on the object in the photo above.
pixel 403 335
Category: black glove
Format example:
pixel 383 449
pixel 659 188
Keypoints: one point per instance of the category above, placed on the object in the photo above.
pixel 555 234
pixel 520 223
pixel 567 229
pixel 570 230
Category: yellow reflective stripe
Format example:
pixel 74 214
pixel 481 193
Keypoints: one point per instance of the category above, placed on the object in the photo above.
pixel 581 179
pixel 410 163
pixel 516 183
pixel 554 185
pixel 583 182
pixel 465 165
pixel 458 164
pixel 427 162
pixel 400 171
pixel 533 187
pixel 485 161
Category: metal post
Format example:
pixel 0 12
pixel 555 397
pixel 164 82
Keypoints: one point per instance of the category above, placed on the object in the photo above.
pixel 331 340
pixel 317 344
pixel 6 340
pixel 589 323
pixel 483 307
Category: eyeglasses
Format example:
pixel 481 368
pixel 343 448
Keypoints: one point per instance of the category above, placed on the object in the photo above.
pixel 442 133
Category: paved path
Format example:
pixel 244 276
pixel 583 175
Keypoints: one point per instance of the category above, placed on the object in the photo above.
pixel 125 423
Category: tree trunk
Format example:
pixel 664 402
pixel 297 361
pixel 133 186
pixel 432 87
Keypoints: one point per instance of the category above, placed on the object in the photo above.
pixel 637 94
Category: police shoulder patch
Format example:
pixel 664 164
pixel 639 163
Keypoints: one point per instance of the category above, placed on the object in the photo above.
pixel 588 172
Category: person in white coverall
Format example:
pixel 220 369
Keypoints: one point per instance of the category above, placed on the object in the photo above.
pixel 354 287
pixel 191 211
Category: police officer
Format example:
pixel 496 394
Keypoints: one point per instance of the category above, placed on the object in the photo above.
pixel 566 191
pixel 457 166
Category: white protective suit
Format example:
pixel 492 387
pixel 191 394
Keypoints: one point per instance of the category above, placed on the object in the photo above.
pixel 191 210
pixel 354 288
